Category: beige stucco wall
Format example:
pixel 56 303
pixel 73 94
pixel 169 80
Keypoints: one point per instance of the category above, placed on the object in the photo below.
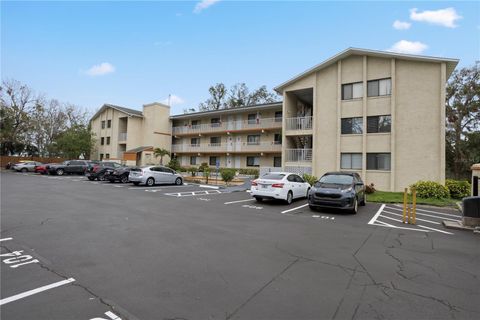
pixel 156 129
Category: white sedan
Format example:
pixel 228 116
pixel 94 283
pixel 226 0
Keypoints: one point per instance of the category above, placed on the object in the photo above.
pixel 279 185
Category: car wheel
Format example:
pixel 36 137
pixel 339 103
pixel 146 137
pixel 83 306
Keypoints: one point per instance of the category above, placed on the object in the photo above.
pixel 91 178
pixel 124 179
pixel 259 199
pixel 60 172
pixel 24 170
pixel 178 181
pixel 136 183
pixel 102 177
pixel 308 191
pixel 289 197
pixel 312 208
pixel 355 206
pixel 150 182
pixel 362 203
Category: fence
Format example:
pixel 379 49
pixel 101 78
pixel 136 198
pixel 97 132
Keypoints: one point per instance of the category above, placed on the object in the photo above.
pixel 14 159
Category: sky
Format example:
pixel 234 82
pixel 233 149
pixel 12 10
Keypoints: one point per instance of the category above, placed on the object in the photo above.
pixel 132 53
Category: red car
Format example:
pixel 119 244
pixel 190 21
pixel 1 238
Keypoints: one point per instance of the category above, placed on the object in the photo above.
pixel 42 169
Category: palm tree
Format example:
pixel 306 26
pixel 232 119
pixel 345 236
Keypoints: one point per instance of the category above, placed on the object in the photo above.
pixel 159 152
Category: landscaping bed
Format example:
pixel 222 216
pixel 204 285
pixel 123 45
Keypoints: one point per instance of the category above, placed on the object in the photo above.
pixel 397 197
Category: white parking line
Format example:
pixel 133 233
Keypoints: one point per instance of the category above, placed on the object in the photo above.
pixel 400 215
pixel 376 214
pixel 434 229
pixel 296 208
pixel 210 187
pixel 35 291
pixel 148 188
pixel 230 202
pixel 193 193
pixel 391 218
pixel 5 239
pixel 430 211
pixel 384 224
pixel 428 215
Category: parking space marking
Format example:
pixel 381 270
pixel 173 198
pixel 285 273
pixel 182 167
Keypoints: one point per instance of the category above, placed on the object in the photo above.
pixel 192 193
pixel 35 291
pixel 149 188
pixel 376 214
pixel 206 186
pixel 5 239
pixel 418 219
pixel 428 215
pixel 446 232
pixel 430 211
pixel 296 208
pixel 230 202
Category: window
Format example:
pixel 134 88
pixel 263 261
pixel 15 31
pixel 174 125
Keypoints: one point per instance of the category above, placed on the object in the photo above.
pixel 278 116
pixel 107 156
pixel 103 124
pixel 351 161
pixel 193 160
pixel 252 118
pixel 378 161
pixel 253 139
pixel 215 141
pixel 108 140
pixel 277 138
pixel 195 142
pixel 352 125
pixel 381 87
pixel 101 156
pixel 195 124
pixel 102 141
pixel 253 161
pixel 109 123
pixel 213 161
pixel 215 122
pixel 379 124
pixel 277 162
pixel 352 91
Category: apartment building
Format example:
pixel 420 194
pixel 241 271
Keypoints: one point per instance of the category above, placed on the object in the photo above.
pixel 381 114
pixel 130 136
pixel 244 137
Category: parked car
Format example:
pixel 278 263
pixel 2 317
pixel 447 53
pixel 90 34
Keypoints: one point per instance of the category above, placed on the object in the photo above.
pixel 68 167
pixel 341 190
pixel 152 175
pixel 26 166
pixel 279 185
pixel 43 168
pixel 120 174
pixel 98 171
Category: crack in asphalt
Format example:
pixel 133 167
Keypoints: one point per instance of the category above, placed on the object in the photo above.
pixel 344 294
pixel 229 316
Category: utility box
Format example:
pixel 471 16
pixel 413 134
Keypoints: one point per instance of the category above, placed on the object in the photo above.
pixel 471 211
pixel 476 180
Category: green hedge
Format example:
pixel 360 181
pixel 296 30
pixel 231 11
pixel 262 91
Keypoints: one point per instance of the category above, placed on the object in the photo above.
pixel 458 189
pixel 309 178
pixel 431 189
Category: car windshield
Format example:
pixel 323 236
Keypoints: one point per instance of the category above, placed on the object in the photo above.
pixel 273 176
pixel 334 179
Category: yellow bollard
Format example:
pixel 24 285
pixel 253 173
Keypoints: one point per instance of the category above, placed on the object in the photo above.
pixel 405 195
pixel 414 205
pixel 409 212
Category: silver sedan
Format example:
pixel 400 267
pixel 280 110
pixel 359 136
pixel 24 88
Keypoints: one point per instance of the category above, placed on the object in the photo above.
pixel 152 175
pixel 26 166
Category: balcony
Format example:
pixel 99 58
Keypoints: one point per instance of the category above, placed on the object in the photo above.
pixel 241 125
pixel 298 155
pixel 122 136
pixel 198 148
pixel 272 147
pixel 300 123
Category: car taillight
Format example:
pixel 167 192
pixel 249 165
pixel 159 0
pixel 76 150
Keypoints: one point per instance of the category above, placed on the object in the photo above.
pixel 254 183
pixel 95 169
pixel 277 185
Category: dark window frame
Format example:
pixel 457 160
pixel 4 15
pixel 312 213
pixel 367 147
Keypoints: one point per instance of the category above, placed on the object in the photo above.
pixel 214 162
pixel 108 141
pixel 347 125
pixel 375 85
pixel 374 124
pixel 347 91
pixel 103 124
pixel 277 117
pixel 253 161
pixel 373 161
pixel 351 160
pixel 109 123
pixel 102 141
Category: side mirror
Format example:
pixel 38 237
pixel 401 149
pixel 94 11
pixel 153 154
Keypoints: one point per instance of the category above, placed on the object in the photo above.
pixel 359 184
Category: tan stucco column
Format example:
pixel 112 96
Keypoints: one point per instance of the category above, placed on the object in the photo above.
pixel 475 173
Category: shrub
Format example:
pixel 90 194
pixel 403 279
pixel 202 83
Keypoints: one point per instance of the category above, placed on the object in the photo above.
pixel 206 173
pixel 249 172
pixel 203 166
pixel 227 175
pixel 309 178
pixel 458 189
pixel 430 189
pixel 192 170
pixel 370 188
pixel 174 164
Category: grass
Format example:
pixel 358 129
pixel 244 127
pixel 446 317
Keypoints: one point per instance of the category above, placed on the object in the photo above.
pixel 397 197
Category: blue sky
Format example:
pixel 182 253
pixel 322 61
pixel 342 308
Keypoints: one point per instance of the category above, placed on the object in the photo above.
pixel 131 53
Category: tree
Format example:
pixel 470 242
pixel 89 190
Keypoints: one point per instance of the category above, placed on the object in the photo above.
pixel 159 152
pixel 462 119
pixel 75 142
pixel 217 98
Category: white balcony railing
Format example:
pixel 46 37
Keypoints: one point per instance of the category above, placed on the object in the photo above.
pixel 298 155
pixel 300 123
pixel 265 123
pixel 122 136
pixel 271 146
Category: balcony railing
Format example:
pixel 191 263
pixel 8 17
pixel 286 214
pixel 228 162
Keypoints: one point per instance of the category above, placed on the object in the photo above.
pixel 300 123
pixel 271 146
pixel 265 123
pixel 298 155
pixel 122 136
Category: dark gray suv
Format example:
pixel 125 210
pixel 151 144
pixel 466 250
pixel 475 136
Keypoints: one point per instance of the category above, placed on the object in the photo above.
pixel 340 190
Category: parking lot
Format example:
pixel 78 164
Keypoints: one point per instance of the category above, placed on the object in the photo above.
pixel 77 249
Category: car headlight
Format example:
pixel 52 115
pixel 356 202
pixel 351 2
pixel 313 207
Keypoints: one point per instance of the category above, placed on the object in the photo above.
pixel 347 190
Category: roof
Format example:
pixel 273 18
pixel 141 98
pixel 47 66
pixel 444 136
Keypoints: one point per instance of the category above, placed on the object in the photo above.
pixel 139 149
pixel 451 63
pixel 229 110
pixel 128 111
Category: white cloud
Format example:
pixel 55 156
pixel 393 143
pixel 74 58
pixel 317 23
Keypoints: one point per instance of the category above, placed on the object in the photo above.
pixel 173 100
pixel 204 4
pixel 401 25
pixel 100 69
pixel 409 47
pixel 443 17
